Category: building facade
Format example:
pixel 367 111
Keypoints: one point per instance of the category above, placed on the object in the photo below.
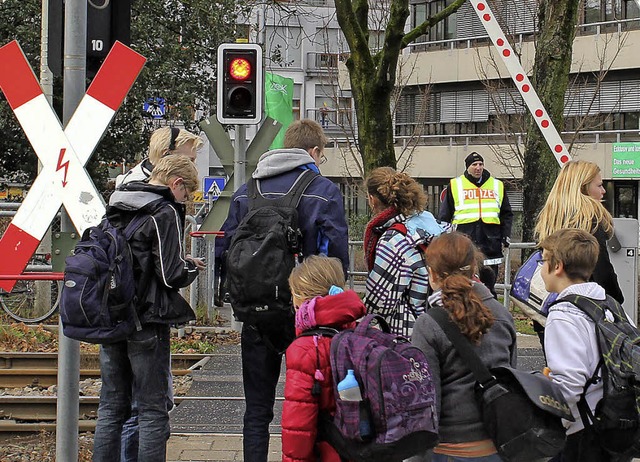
pixel 457 97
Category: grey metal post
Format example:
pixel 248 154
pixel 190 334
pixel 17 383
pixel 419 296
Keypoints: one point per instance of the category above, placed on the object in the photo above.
pixel 240 157
pixel 46 76
pixel 43 296
pixel 75 38
pixel 239 178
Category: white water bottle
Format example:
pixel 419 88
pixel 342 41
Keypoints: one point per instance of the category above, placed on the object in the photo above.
pixel 348 388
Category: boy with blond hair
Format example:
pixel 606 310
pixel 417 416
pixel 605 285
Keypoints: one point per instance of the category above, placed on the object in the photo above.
pixel 164 141
pixel 135 370
pixel 568 258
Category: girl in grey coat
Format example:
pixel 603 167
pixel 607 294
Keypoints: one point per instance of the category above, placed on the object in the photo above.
pixel 451 261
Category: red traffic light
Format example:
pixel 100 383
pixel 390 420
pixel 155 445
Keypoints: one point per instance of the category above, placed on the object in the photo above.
pixel 240 83
pixel 240 68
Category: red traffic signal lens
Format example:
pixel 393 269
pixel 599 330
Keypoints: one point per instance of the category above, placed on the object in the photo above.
pixel 240 68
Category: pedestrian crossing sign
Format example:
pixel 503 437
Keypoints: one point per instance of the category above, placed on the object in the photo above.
pixel 212 186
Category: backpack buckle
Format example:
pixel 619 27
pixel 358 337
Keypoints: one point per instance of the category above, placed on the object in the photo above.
pixel 293 238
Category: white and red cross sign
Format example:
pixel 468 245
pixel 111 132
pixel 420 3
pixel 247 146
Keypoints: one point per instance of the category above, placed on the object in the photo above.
pixel 529 95
pixel 63 179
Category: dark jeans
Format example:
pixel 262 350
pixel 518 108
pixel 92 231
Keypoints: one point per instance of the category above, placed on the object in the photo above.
pixel 131 429
pixel 260 372
pixel 582 446
pixel 134 370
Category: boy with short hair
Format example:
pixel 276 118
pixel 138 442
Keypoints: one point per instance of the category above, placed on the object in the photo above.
pixel 568 258
pixel 133 369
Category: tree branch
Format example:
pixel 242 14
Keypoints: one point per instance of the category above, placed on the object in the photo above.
pixel 423 28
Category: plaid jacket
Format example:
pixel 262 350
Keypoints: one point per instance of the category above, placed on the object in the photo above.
pixel 398 284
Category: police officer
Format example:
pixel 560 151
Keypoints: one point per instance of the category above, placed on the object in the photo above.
pixel 476 204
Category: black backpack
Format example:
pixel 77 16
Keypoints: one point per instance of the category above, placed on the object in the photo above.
pixel 617 415
pixel 262 253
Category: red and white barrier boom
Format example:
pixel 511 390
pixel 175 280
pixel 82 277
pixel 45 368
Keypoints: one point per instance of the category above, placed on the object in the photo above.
pixel 63 179
pixel 529 95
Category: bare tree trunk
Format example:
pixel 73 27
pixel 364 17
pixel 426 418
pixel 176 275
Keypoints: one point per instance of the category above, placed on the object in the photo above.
pixel 375 127
pixel 373 73
pixel 556 24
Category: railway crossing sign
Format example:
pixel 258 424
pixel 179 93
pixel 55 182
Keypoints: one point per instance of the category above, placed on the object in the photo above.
pixel 519 76
pixel 212 186
pixel 63 153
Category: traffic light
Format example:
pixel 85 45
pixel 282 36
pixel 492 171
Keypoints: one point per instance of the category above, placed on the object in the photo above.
pixel 107 22
pixel 240 83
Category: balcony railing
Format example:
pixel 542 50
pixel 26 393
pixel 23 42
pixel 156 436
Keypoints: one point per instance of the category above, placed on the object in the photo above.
pixel 586 136
pixel 618 25
pixel 334 120
pixel 324 62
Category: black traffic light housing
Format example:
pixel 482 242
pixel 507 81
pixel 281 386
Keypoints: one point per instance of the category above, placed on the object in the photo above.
pixel 107 21
pixel 240 84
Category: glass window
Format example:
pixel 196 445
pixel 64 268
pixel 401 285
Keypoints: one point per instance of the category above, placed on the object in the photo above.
pixel 626 200
pixel 631 120
pixel 632 9
pixel 284 49
pixel 592 11
pixel 419 14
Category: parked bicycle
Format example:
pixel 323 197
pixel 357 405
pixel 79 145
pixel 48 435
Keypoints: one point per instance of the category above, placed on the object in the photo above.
pixel 32 300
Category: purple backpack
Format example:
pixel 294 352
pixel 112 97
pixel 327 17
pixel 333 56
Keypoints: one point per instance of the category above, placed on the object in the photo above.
pixel 397 416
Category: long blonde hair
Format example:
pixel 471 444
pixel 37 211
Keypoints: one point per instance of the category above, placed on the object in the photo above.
pixel 315 276
pixel 569 204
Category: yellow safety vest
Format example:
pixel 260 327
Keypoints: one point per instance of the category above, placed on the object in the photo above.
pixel 474 203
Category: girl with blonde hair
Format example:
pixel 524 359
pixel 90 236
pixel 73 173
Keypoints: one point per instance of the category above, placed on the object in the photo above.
pixel 317 287
pixel 397 283
pixel 452 262
pixel 575 201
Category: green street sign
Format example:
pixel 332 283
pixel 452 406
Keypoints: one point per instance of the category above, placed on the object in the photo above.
pixel 626 160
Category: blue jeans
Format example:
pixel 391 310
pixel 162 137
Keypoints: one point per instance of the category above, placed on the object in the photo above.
pixel 134 370
pixel 260 372
pixel 130 429
pixel 443 458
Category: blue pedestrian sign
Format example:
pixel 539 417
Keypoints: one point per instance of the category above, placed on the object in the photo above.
pixel 212 186
pixel 155 107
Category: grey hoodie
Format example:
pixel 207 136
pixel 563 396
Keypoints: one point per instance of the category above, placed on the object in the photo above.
pixel 278 161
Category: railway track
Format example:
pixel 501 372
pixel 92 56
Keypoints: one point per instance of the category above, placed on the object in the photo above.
pixel 38 413
pixel 19 370
pixel 19 414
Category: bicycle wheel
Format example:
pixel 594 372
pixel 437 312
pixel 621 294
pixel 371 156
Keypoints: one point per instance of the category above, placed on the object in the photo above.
pixel 31 301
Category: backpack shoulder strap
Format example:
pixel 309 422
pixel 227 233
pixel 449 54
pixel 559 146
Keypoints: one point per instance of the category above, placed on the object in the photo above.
pixel 592 308
pixel 463 346
pixel 402 229
pixel 290 200
pixel 399 227
pixel 320 330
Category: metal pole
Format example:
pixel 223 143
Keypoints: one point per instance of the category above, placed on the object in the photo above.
pixel 239 178
pixel 46 76
pixel 240 157
pixel 43 296
pixel 75 38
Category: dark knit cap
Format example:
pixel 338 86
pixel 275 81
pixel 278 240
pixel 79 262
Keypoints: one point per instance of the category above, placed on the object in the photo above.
pixel 471 158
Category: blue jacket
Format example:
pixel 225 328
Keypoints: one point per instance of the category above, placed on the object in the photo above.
pixel 320 212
